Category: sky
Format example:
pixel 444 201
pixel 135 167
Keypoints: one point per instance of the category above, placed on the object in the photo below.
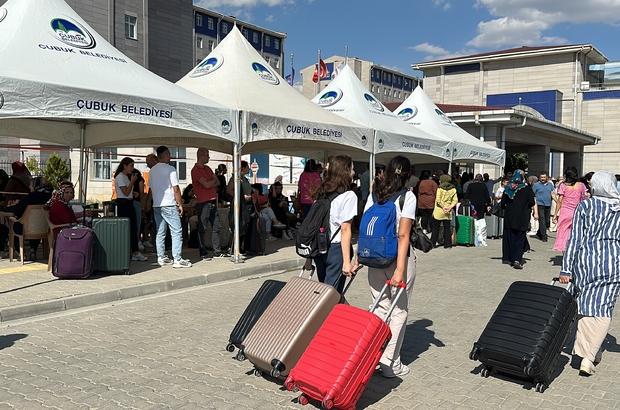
pixel 399 33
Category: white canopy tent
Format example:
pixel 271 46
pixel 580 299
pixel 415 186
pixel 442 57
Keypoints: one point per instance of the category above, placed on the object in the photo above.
pixel 347 97
pixel 419 111
pixel 61 82
pixel 276 118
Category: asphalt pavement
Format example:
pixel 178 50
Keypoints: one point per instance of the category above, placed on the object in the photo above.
pixel 166 348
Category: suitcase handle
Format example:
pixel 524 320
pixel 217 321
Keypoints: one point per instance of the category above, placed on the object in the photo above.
pixel 571 288
pixel 303 271
pixel 402 287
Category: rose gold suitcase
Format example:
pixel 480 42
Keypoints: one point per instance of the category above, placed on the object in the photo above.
pixel 285 329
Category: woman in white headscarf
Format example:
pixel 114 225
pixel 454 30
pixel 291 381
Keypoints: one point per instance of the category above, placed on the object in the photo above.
pixel 592 260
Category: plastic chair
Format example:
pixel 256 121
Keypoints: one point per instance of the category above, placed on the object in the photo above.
pixel 50 238
pixel 34 226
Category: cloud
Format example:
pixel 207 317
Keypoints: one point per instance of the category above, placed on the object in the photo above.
pixel 437 52
pixel 270 18
pixel 443 4
pixel 522 22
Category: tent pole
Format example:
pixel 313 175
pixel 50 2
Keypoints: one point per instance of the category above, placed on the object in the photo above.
pixel 85 184
pixel 372 163
pixel 81 172
pixel 237 175
pixel 450 168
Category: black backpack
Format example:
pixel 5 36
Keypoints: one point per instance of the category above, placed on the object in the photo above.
pixel 306 244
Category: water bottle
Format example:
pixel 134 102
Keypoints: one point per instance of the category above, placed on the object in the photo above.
pixel 322 241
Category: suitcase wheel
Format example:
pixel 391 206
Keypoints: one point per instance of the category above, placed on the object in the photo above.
pixel 541 387
pixel 303 400
pixel 230 347
pixel 275 373
pixel 258 372
pixel 327 403
pixel 240 355
pixel 486 372
pixel 290 386
pixel 473 355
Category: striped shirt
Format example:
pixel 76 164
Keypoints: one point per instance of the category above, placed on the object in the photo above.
pixel 592 257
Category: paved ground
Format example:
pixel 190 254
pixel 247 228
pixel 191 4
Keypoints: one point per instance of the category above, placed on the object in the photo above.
pixel 166 351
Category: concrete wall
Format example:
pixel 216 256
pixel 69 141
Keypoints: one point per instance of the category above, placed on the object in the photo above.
pixel 601 117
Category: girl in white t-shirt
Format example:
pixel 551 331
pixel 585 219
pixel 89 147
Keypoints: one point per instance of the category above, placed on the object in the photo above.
pixel 343 209
pixel 403 270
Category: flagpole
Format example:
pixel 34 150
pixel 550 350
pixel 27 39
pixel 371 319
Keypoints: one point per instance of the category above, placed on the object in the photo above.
pixel 318 68
pixel 346 54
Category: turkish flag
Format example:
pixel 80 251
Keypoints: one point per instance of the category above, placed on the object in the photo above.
pixel 315 76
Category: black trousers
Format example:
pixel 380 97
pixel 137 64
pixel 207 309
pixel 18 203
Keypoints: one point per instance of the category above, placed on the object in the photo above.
pixel 125 209
pixel 513 245
pixel 426 216
pixel 544 220
pixel 447 232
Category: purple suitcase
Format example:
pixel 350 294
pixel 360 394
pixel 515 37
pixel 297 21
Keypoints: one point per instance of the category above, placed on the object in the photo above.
pixel 73 253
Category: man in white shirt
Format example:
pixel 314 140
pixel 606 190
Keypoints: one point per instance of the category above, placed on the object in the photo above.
pixel 168 208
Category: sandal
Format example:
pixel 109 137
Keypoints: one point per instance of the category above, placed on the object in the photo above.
pixel 517 265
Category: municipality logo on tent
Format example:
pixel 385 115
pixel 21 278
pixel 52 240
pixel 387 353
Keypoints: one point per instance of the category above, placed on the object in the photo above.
pixel 226 127
pixel 364 140
pixel 408 113
pixel 72 33
pixel 3 13
pixel 208 65
pixel 443 116
pixel 255 129
pixel 330 98
pixel 381 144
pixel 375 104
pixel 265 74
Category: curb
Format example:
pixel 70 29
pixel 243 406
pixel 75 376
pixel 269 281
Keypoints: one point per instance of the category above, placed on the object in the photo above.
pixel 90 299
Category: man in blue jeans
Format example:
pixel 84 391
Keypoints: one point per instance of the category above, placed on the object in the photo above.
pixel 168 208
pixel 205 187
pixel 543 189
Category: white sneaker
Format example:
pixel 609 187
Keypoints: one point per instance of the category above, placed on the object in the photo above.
pixel 586 368
pixel 279 225
pixel 182 263
pixel 285 237
pixel 139 257
pixel 404 370
pixel 148 244
pixel 140 247
pixel 164 261
pixel 270 238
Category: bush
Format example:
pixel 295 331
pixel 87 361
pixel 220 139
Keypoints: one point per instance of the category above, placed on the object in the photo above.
pixel 57 171
pixel 32 163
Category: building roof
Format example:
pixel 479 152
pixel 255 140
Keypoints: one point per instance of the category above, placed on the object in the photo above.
pixel 447 108
pixel 519 52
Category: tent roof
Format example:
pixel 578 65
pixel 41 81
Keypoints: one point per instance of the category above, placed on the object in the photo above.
pixel 419 111
pixel 55 67
pixel 347 97
pixel 277 118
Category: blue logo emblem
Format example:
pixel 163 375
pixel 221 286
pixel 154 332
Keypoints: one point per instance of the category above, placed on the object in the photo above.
pixel 226 127
pixel 255 129
pixel 265 74
pixel 375 104
pixel 364 140
pixel 443 116
pixel 381 143
pixel 330 98
pixel 208 65
pixel 72 33
pixel 3 13
pixel 407 113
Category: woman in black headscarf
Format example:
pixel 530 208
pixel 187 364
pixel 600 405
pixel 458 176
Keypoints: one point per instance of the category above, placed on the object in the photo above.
pixel 518 201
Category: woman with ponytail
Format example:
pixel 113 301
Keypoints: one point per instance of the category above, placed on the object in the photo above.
pixel 403 269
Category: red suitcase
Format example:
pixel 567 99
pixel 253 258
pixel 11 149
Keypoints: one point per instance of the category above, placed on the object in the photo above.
pixel 338 363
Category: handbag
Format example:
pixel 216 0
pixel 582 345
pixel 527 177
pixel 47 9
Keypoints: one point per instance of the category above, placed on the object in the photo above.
pixel 497 210
pixel 418 238
pixel 297 206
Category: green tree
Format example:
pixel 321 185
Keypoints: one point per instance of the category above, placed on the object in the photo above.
pixel 516 161
pixel 57 171
pixel 32 163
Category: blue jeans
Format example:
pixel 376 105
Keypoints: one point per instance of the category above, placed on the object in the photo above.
pixel 208 212
pixel 168 216
pixel 138 209
pixel 329 267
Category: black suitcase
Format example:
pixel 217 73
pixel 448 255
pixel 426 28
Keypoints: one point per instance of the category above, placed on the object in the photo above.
pixel 267 292
pixel 527 332
pixel 255 238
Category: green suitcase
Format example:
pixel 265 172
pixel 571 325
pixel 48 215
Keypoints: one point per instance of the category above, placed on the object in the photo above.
pixel 112 246
pixel 465 230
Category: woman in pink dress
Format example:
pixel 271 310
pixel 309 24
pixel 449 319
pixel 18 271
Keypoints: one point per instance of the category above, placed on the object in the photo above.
pixel 570 193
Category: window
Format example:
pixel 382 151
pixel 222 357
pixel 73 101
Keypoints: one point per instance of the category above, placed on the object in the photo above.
pixel 210 48
pixel 104 163
pixel 276 43
pixel 177 160
pixel 267 41
pixel 199 42
pixel 372 88
pixel 399 94
pixel 276 62
pixel 224 28
pixel 198 20
pixel 267 59
pixel 130 27
pixel 245 33
pixel 210 23
pixel 386 92
pixel 255 37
